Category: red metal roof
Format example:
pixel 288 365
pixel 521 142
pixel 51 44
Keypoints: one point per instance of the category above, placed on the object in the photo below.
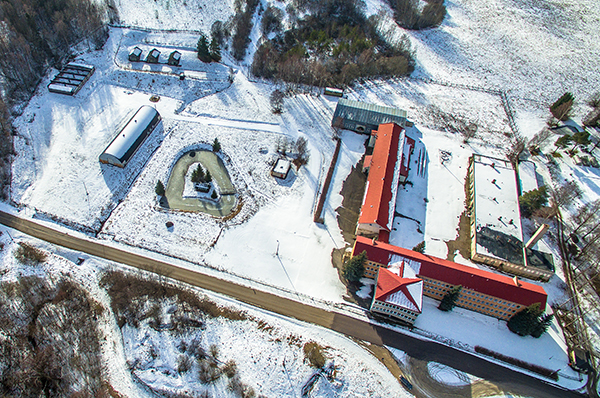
pixel 376 206
pixel 389 283
pixel 481 281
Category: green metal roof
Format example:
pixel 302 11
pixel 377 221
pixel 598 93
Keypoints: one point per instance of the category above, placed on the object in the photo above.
pixel 372 108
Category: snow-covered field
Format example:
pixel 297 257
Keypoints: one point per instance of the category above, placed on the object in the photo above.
pixel 531 51
pixel 273 365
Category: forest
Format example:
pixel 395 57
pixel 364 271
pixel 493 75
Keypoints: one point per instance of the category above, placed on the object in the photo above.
pixel 332 45
pixel 37 34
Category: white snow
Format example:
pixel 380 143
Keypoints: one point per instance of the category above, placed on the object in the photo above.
pixel 531 52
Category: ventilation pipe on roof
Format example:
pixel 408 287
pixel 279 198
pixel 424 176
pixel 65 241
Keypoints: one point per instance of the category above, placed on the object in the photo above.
pixel 541 231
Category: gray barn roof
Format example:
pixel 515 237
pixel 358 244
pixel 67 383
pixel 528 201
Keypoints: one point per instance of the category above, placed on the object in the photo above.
pixel 367 113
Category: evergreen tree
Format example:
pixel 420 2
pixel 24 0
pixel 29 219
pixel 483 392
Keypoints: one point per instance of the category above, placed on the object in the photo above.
pixel 198 175
pixel 208 177
pixel 542 326
pixel 354 268
pixel 449 299
pixel 533 200
pixel 214 195
pixel 562 107
pixel 216 146
pixel 419 248
pixel 525 322
pixel 215 50
pixel 160 188
pixel 203 51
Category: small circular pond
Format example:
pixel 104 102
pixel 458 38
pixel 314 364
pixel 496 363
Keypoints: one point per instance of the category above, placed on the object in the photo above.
pixel 174 194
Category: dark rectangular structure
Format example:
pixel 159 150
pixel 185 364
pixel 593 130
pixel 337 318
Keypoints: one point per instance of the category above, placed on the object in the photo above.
pixel 70 80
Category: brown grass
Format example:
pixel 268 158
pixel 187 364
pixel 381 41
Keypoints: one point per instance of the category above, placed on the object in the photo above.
pixel 314 353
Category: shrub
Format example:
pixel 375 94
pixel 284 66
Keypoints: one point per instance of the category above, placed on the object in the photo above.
pixel 208 371
pixel 230 368
pixel 29 255
pixel 561 108
pixel 276 101
pixel 314 353
pixel 354 268
pixel 184 364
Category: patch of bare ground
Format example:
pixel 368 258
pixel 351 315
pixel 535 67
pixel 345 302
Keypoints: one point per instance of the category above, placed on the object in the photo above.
pixel 49 340
pixel 353 190
pixel 462 243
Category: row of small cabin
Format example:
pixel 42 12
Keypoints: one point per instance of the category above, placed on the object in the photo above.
pixel 153 55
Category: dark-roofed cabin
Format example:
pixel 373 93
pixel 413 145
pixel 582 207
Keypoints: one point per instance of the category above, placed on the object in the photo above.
pixel 131 137
pixel 152 57
pixel 174 58
pixel 135 55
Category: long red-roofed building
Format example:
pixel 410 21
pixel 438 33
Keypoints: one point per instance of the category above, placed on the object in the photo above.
pixel 385 173
pixel 482 291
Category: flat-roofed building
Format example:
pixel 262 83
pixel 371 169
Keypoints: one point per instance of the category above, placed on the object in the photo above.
pixel 281 168
pixel 496 233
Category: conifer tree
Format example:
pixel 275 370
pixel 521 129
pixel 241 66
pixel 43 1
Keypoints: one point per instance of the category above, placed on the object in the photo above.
pixel 419 248
pixel 160 188
pixel 449 299
pixel 215 50
pixel 203 51
pixel 525 322
pixel 216 146
pixel 354 268
pixel 198 175
pixel 208 177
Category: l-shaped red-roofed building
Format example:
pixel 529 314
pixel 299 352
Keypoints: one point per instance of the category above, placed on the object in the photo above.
pixel 482 291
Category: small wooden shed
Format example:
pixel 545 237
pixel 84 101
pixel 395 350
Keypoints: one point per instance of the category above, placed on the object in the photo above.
pixel 135 55
pixel 174 58
pixel 152 57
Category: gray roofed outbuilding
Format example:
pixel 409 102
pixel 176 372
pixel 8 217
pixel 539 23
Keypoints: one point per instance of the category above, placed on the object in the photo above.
pixel 363 117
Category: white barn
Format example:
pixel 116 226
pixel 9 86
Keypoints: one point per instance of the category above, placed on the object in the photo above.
pixel 131 137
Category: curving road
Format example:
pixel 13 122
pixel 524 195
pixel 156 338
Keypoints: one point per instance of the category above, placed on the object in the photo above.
pixel 507 380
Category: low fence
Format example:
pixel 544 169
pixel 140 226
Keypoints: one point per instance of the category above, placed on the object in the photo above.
pixel 317 216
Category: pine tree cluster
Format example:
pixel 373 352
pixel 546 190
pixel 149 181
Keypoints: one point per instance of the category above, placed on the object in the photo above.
pixel 209 52
pixel 530 321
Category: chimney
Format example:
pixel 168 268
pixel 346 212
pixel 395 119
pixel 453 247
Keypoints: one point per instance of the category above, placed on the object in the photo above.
pixel 516 280
pixel 537 236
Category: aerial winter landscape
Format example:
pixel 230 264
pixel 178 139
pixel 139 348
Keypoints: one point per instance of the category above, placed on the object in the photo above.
pixel 341 198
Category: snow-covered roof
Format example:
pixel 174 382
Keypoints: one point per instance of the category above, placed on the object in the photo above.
pixel 392 287
pixel 527 176
pixel 282 166
pixel 61 88
pixel 176 55
pixel 496 207
pixel 137 51
pixel 126 140
pixel 382 184
pixel 426 266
